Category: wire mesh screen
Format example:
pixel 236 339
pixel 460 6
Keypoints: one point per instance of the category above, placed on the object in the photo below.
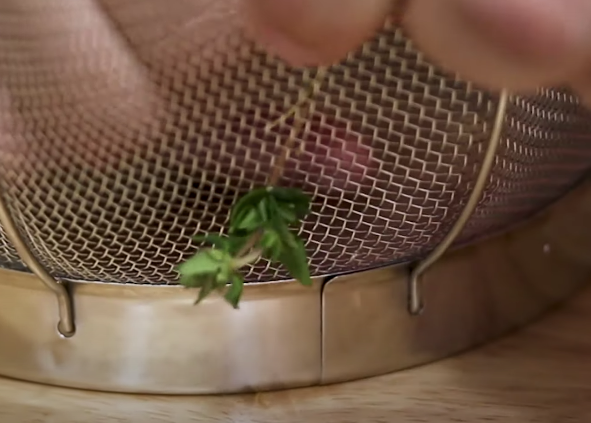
pixel 129 128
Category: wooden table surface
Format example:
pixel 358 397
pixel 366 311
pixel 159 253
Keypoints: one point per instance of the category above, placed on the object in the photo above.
pixel 541 374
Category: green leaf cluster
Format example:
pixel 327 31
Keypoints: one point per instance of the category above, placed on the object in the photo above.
pixel 262 224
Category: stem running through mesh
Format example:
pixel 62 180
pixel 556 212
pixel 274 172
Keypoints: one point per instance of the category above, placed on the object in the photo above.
pixel 298 111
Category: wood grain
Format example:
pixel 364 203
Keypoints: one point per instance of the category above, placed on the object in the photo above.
pixel 541 374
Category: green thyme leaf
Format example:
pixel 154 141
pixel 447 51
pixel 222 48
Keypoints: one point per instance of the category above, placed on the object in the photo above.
pixel 224 275
pixel 264 209
pixel 295 261
pixel 301 210
pixel 205 262
pixel 191 281
pixel 292 199
pixel 247 202
pixel 230 244
pixel 262 219
pixel 208 269
pixel 271 244
pixel 287 238
pixel 249 221
pixel 287 212
pixel 234 292
pixel 270 239
pixel 206 289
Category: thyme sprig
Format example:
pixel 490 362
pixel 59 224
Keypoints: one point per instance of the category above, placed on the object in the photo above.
pixel 262 224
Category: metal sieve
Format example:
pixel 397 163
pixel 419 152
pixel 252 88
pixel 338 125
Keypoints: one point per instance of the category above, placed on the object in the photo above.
pixel 129 128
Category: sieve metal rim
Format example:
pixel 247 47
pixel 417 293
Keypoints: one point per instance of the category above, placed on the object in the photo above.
pixel 352 326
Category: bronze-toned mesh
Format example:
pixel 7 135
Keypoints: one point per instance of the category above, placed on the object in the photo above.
pixel 9 258
pixel 544 152
pixel 134 127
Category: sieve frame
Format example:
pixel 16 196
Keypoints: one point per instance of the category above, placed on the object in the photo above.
pixel 150 340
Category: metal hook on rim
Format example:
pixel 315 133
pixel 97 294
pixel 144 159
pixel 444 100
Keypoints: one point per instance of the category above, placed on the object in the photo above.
pixel 415 301
pixel 65 326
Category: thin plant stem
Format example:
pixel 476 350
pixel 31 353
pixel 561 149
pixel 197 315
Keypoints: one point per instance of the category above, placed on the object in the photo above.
pixel 305 98
pixel 247 258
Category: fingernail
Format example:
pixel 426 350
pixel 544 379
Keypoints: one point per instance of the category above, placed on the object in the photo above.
pixel 274 26
pixel 539 29
pixel 286 17
pixel 286 47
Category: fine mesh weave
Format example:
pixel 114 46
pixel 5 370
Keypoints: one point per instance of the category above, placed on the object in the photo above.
pixel 128 127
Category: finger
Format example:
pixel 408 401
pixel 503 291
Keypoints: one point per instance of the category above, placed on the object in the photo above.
pixel 515 44
pixel 581 85
pixel 314 32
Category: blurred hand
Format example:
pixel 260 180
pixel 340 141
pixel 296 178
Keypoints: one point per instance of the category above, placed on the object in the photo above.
pixel 515 44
